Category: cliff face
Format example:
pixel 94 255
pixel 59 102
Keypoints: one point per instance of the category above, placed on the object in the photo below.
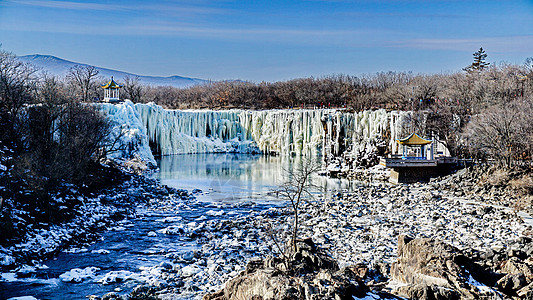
pixel 151 129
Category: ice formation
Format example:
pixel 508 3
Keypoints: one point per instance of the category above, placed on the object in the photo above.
pixel 298 132
pixel 129 132
pixel 202 131
pixel 148 127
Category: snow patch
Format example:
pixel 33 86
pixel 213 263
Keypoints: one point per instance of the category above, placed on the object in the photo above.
pixel 115 276
pixel 78 275
pixel 8 277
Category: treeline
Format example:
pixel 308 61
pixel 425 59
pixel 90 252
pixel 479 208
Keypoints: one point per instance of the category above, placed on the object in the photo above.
pixel 390 90
pixel 49 139
pixel 483 111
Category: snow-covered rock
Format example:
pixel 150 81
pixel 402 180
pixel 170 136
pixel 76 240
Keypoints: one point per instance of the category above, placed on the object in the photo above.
pixel 189 271
pixel 115 276
pixel 78 275
pixel 23 298
pixel 6 260
pixel 8 277
pixel 100 251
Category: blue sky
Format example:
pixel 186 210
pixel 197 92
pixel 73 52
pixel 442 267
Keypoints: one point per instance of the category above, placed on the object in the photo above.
pixel 269 40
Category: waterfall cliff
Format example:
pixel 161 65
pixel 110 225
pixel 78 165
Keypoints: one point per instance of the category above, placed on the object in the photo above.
pixel 147 128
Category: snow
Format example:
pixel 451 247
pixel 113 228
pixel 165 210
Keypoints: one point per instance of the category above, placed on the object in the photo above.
pixel 100 251
pixel 6 260
pixel 215 213
pixel 174 230
pixel 115 276
pixel 189 271
pixel 369 296
pixel 480 286
pixel 8 277
pixel 78 275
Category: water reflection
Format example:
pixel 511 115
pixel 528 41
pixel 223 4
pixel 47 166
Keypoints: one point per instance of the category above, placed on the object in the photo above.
pixel 234 177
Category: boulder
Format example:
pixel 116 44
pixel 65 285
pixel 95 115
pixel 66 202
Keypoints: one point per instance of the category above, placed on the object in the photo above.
pixel 515 266
pixel 423 291
pixel 526 292
pixel 510 283
pixel 309 274
pixel 434 270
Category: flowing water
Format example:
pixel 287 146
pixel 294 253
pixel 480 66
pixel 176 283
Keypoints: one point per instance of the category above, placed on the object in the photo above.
pixel 222 178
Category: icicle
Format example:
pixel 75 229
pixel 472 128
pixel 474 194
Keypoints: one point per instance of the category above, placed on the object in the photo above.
pixel 285 132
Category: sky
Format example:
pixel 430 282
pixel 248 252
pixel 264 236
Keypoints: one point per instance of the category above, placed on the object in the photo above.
pixel 270 40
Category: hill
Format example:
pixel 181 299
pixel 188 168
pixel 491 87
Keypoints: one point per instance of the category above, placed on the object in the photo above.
pixel 59 67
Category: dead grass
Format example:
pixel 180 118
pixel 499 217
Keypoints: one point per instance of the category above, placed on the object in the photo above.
pixel 523 185
pixel 495 177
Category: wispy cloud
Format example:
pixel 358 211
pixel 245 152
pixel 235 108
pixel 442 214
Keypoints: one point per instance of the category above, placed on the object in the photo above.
pixel 152 7
pixel 361 37
pixel 504 44
pixel 403 15
pixel 70 5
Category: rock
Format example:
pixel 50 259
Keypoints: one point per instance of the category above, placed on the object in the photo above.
pixel 310 274
pixel 111 296
pixel 510 283
pixel 423 291
pixel 515 266
pixel 166 265
pixel 143 293
pixel 78 275
pixel 430 268
pixel 526 292
pixel 189 271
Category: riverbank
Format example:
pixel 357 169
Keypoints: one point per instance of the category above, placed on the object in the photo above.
pixel 89 214
pixel 362 226
pixel 190 247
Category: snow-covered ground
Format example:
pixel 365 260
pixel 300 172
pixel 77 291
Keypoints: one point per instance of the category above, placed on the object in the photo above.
pixel 190 247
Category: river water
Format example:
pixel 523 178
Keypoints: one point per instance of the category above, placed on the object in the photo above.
pixel 222 178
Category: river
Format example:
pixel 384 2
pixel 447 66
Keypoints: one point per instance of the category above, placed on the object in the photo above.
pixel 128 247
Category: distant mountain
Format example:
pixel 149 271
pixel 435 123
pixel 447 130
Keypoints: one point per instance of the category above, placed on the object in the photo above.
pixel 59 67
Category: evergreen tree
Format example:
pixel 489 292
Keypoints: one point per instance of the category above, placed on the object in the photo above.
pixel 479 63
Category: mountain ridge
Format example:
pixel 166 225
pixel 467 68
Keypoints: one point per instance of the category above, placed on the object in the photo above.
pixel 59 67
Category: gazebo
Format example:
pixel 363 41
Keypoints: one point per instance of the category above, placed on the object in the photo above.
pixel 414 147
pixel 111 91
pixel 414 160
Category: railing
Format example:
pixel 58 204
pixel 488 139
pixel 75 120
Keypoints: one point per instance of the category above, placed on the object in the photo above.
pixel 400 162
pixel 413 161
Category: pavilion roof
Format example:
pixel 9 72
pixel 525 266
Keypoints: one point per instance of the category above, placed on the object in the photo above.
pixel 414 140
pixel 111 85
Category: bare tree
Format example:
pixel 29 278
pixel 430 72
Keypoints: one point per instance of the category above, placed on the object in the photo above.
pixel 502 133
pixel 296 188
pixel 17 87
pixel 133 89
pixel 83 78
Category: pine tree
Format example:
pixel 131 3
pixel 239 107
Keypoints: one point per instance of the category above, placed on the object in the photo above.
pixel 479 63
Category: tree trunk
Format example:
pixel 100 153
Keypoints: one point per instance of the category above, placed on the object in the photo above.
pixel 295 231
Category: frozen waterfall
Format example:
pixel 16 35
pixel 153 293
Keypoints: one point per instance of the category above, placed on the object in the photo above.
pixel 147 128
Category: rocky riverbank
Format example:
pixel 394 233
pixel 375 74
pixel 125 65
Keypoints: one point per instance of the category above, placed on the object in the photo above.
pixel 360 228
pixel 89 214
